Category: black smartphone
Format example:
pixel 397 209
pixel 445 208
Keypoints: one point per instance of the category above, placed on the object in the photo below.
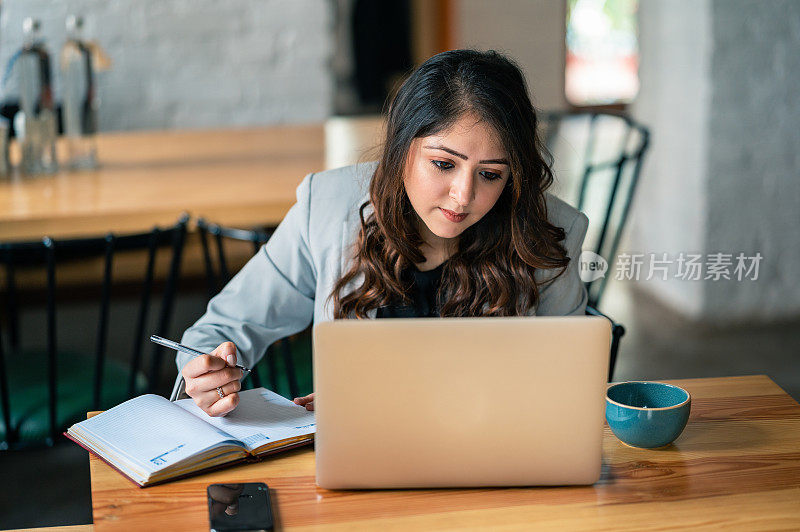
pixel 239 507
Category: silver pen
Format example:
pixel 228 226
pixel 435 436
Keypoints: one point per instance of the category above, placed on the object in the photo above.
pixel 184 349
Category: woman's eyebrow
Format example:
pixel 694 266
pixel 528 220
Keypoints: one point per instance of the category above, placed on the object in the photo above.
pixel 462 156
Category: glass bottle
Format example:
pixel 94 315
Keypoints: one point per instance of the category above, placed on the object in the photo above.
pixel 37 122
pixel 80 101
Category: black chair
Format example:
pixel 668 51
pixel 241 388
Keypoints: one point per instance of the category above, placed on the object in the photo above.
pixel 598 158
pixel 287 361
pixel 44 391
pixel 617 331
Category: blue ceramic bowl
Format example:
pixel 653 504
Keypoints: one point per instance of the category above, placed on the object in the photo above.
pixel 647 414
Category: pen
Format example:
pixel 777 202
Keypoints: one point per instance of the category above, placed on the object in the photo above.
pixel 183 349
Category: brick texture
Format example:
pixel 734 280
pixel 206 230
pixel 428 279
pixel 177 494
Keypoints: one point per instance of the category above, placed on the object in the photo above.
pixel 194 63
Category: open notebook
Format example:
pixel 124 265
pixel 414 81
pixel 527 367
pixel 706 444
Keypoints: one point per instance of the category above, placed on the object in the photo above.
pixel 151 440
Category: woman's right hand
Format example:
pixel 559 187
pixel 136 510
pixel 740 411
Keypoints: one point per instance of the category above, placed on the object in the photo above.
pixel 205 373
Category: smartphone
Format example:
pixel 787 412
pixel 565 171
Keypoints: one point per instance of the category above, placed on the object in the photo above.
pixel 239 507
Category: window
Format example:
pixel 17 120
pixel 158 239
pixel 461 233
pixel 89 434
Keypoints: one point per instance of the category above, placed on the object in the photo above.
pixel 602 52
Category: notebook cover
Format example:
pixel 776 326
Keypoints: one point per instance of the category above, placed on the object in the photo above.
pixel 247 459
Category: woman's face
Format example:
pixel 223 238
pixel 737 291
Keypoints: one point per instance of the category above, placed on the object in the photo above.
pixel 454 178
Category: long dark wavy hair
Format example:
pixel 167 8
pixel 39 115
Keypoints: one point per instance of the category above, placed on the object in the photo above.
pixel 491 272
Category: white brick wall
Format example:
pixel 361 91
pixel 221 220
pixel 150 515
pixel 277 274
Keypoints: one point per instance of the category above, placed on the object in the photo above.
pixel 195 63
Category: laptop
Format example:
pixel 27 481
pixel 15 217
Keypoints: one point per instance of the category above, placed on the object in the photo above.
pixel 460 402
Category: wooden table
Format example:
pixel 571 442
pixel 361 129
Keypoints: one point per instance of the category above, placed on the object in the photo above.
pixel 238 177
pixel 736 464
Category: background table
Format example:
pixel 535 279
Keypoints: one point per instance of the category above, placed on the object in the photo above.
pixel 736 464
pixel 237 177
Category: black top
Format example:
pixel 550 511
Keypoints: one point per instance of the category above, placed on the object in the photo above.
pixel 424 286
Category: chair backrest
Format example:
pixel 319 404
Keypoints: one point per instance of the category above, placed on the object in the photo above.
pixel 50 254
pixel 217 276
pixel 597 160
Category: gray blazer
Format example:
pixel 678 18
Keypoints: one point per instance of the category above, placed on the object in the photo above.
pixel 287 283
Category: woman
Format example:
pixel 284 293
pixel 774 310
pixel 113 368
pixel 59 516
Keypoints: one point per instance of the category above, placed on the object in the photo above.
pixel 452 221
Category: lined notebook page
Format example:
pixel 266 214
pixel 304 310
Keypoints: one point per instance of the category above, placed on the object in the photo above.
pixel 261 417
pixel 150 430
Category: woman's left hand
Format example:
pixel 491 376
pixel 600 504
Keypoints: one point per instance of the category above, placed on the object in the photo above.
pixel 307 401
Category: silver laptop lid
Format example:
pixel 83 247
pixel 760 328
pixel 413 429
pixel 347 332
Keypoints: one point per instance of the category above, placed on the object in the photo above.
pixel 454 402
